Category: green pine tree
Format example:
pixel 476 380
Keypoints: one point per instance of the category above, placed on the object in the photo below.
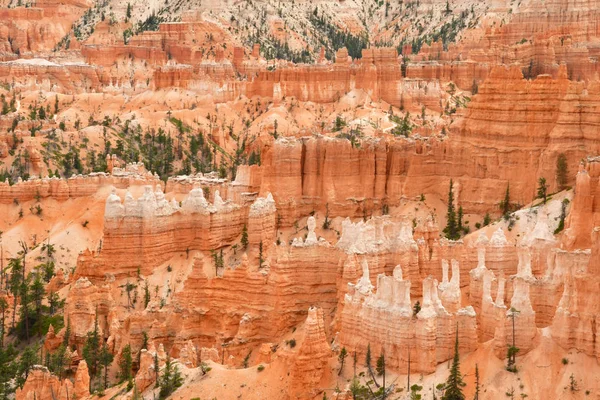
pixel 156 370
pixel 505 204
pixel 28 359
pixel 244 240
pixel 91 351
pixel 170 380
pixel 542 190
pixel 454 384
pixel 342 358
pixel 125 367
pixel 380 366
pixel 106 358
pixel 451 229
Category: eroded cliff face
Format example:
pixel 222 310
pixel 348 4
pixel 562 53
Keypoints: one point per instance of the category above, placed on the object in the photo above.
pixel 300 207
pixel 213 296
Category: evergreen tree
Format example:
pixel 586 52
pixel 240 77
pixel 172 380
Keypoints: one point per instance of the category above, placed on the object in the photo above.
pixel 59 360
pixel 146 294
pixel 67 336
pixel 28 359
pixel 25 297
pixel 144 346
pixel 37 293
pixel 542 190
pixel 170 380
pixel 460 220
pixel 156 370
pixel 416 308
pixel 125 367
pixel 380 366
pixel 3 309
pixel 244 240
pixel 368 364
pixel 91 351
pixel 505 204
pixel 451 229
pixel 261 260
pixel 342 358
pixel 414 392
pixel 487 219
pixel 454 384
pixel 106 358
pixel 511 359
pixel 7 372
pixel 561 171
pixel 14 283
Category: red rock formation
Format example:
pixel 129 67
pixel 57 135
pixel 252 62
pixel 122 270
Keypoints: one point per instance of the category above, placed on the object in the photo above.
pixel 42 385
pixel 575 322
pixel 38 28
pixel 313 354
pixel 81 387
pixel 367 317
pixel 85 304
pixel 524 329
pixel 141 234
pixel 585 210
pixel 74 187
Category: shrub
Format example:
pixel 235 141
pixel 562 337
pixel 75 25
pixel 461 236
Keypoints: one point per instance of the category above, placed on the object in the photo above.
pixel 260 368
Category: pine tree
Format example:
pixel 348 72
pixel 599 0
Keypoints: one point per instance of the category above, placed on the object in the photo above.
pixel 146 294
pixel 416 308
pixel 562 171
pixel 368 364
pixel 512 350
pixel 505 204
pixel 542 190
pixel 381 369
pixel 342 358
pixel 37 295
pixel 106 358
pixel 244 240
pixel 144 346
pixel 156 370
pixel 59 360
pixel 460 220
pixel 14 283
pixel 125 367
pixel 487 219
pixel 3 309
pixel 454 384
pixel 451 229
pixel 67 335
pixel 25 296
pixel 380 366
pixel 91 351
pixel 260 255
pixel 28 359
pixel 171 379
